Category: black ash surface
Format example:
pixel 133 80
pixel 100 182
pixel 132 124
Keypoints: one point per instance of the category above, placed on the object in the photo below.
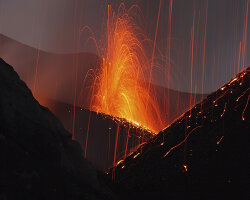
pixel 38 158
pixel 203 154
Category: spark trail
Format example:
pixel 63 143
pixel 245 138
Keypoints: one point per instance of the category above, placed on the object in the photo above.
pixel 120 86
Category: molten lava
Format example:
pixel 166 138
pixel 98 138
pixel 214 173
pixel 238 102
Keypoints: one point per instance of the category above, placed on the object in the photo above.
pixel 120 88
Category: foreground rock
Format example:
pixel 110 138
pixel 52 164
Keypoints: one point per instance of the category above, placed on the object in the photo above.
pixel 203 154
pixel 38 158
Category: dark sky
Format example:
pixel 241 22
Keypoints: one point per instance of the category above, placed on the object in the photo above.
pixel 52 25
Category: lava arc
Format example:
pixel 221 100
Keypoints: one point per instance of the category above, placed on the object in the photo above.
pixel 120 86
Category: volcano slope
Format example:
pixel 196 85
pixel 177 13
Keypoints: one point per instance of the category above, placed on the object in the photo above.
pixel 205 153
pixel 38 158
pixel 101 129
pixel 97 134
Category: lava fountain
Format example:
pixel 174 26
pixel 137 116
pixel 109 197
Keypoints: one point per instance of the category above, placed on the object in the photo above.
pixel 120 86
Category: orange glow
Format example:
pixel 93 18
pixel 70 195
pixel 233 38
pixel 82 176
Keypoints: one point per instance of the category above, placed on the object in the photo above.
pixel 185 168
pixel 192 58
pixel 183 141
pixel 36 71
pixel 242 94
pixel 126 148
pixel 136 155
pixel 120 86
pixel 243 117
pixel 218 142
pixel 224 110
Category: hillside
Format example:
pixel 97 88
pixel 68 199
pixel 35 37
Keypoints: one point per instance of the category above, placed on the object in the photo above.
pixel 203 154
pixel 39 160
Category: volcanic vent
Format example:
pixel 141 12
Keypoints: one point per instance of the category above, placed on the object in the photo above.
pixel 120 88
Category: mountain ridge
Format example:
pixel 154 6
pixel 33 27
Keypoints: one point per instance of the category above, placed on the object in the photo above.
pixel 203 151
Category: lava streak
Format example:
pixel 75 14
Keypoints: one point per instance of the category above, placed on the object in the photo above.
pixel 120 87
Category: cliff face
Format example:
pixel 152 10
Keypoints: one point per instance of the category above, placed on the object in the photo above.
pixel 203 154
pixel 38 158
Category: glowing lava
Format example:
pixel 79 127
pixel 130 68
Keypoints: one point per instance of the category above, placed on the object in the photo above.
pixel 119 87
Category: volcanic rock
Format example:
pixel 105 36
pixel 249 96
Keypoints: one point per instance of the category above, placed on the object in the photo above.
pixel 97 133
pixel 205 153
pixel 38 158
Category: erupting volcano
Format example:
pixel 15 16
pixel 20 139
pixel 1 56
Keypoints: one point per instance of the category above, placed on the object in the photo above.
pixel 137 102
pixel 120 86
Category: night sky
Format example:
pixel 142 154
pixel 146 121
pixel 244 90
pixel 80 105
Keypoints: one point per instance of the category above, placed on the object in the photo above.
pixel 52 25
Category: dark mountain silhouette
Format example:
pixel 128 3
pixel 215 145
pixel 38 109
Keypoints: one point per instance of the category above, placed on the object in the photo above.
pixel 38 158
pixel 204 154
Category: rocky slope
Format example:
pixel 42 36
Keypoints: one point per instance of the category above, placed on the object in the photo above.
pixel 38 158
pixel 203 154
pixel 97 134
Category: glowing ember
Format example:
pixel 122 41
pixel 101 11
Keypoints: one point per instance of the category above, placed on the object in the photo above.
pixel 120 88
pixel 183 141
pixel 136 155
pixel 218 142
pixel 224 110
pixel 185 168
pixel 119 162
pixel 223 88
